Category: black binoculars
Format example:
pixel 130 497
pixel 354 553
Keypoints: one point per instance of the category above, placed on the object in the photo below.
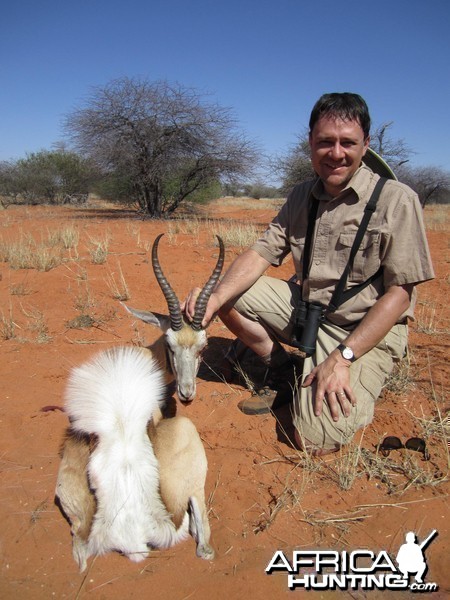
pixel 307 317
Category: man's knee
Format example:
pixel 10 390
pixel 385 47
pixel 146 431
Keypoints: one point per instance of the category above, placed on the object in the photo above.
pixel 321 435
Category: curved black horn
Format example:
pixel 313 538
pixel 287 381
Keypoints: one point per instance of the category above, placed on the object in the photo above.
pixel 176 320
pixel 203 297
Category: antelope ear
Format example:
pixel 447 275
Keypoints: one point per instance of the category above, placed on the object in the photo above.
pixel 161 321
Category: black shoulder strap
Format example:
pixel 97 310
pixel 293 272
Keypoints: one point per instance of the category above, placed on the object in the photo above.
pixel 339 295
pixel 313 208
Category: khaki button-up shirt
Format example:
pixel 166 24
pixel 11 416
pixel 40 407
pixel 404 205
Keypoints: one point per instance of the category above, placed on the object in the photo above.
pixel 395 239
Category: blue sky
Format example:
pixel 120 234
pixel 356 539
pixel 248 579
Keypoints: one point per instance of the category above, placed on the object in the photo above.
pixel 267 60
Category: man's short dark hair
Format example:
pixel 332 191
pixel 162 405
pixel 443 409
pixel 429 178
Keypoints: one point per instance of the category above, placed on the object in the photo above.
pixel 344 105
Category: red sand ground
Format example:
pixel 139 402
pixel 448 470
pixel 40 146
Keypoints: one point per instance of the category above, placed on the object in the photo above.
pixel 263 497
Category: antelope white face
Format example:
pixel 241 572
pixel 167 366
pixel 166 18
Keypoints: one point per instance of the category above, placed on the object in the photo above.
pixel 185 353
pixel 184 340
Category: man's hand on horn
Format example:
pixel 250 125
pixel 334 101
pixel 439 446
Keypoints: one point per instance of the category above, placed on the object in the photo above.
pixel 188 306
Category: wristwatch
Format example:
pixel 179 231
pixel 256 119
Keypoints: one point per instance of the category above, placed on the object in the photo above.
pixel 346 352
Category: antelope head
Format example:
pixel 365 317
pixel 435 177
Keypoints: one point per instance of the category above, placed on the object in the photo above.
pixel 184 340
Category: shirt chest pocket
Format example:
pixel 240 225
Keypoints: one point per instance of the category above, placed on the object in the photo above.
pixel 367 259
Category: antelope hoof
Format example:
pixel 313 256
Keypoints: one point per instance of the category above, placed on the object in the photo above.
pixel 205 551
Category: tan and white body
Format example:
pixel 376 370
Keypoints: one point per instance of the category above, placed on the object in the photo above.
pixel 129 482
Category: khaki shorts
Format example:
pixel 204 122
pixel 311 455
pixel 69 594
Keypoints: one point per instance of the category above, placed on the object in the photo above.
pixel 271 301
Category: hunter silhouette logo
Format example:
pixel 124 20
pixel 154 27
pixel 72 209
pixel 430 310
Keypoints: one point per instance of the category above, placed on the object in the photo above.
pixel 410 557
pixel 360 569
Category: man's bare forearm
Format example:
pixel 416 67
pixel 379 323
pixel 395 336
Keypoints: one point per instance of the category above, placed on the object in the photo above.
pixel 241 275
pixel 383 315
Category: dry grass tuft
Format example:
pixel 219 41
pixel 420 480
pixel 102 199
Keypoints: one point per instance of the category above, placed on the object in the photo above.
pixel 190 226
pixel 436 217
pixel 28 254
pixel 99 249
pixel 236 233
pixel 20 289
pixel 400 380
pixel 401 470
pixel 68 237
pixel 252 203
pixel 7 326
pixel 37 325
pixel 82 321
pixel 118 288
pixel 429 318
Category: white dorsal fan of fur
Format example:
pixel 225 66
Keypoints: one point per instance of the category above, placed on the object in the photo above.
pixel 114 397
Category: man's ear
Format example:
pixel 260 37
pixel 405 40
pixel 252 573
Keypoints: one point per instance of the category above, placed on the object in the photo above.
pixel 366 144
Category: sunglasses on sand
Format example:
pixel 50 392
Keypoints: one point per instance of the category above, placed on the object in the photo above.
pixel 392 442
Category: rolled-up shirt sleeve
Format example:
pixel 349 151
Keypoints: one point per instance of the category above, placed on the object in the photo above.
pixel 405 254
pixel 287 230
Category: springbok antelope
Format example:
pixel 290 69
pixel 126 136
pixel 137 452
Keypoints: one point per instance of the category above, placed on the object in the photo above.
pixel 128 479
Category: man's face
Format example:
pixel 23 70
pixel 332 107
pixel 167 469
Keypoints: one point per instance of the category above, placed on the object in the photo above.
pixel 337 148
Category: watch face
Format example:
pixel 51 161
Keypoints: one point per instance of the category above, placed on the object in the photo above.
pixel 347 353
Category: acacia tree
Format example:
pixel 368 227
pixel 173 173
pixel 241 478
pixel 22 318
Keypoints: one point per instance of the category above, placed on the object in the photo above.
pixel 164 139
